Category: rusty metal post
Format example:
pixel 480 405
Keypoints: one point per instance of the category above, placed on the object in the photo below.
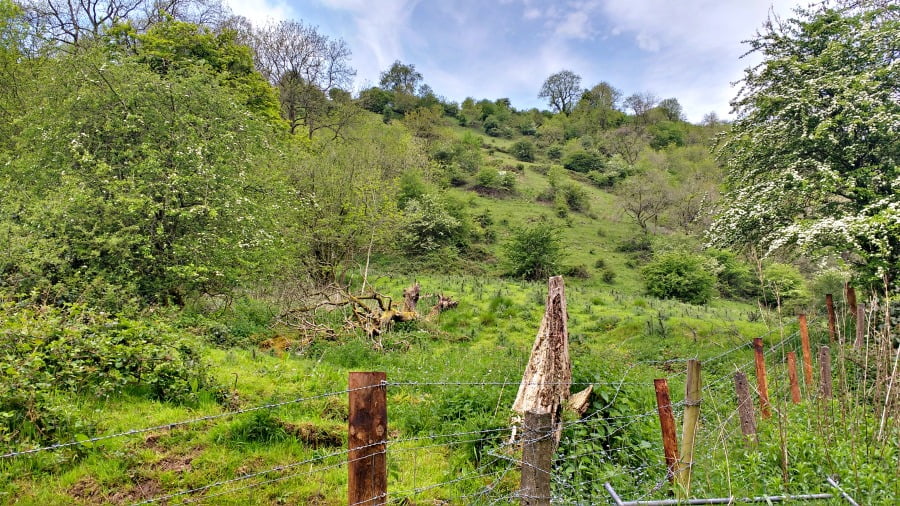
pixel 367 440
pixel 667 426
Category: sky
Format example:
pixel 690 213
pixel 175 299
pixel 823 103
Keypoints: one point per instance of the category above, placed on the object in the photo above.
pixel 687 49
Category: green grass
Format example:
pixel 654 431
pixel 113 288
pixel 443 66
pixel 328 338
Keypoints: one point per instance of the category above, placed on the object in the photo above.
pixel 617 336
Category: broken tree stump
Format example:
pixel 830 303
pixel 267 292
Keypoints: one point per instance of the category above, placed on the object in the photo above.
pixel 548 375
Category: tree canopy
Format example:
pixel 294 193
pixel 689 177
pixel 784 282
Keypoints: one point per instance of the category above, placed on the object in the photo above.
pixel 562 90
pixel 813 156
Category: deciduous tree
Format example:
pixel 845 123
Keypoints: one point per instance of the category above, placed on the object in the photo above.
pixel 562 90
pixel 813 158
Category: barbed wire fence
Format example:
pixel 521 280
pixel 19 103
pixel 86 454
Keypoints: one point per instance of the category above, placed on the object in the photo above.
pixel 609 443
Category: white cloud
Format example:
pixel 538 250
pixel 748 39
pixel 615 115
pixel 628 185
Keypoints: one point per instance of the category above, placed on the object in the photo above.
pixel 693 47
pixel 380 27
pixel 261 11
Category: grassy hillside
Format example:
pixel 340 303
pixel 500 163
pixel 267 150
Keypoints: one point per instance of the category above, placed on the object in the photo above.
pixel 455 380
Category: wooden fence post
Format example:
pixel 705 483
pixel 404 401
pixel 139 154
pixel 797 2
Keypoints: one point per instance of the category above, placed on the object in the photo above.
pixel 689 426
pixel 667 426
pixel 825 371
pixel 745 406
pixel 762 383
pixel 367 458
pixel 832 320
pixel 537 457
pixel 792 375
pixel 860 325
pixel 850 295
pixel 807 354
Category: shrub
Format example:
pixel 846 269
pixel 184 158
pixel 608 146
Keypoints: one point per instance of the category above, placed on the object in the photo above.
pixel 554 152
pixel 784 283
pixel 735 278
pixel 523 151
pixel 584 162
pixel 429 224
pixel 577 198
pixel 534 252
pixel 49 354
pixel 498 180
pixel 577 271
pixel 679 276
pixel 608 275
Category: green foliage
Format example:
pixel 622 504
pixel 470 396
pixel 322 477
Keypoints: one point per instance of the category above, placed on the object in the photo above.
pixel 430 223
pixel 679 275
pixel 523 150
pixel 534 252
pixel 174 46
pixel 345 195
pixel 49 352
pixel 584 162
pixel 783 284
pixel 666 133
pixel 734 277
pixel 498 180
pixel 812 159
pixel 412 185
pixel 150 183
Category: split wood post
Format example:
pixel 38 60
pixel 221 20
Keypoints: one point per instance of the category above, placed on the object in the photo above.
pixel 792 375
pixel 367 457
pixel 807 354
pixel 548 375
pixel 542 394
pixel 537 457
pixel 832 320
pixel 860 325
pixel 745 406
pixel 850 295
pixel 762 383
pixel 825 371
pixel 689 427
pixel 667 426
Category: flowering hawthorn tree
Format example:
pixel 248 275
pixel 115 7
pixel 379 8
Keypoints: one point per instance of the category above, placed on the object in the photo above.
pixel 812 158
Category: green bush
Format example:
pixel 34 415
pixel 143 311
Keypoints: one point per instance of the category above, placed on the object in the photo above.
pixel 534 252
pixel 681 276
pixel 783 283
pixel 584 162
pixel 735 278
pixel 523 151
pixel 48 353
pixel 498 180
pixel 430 223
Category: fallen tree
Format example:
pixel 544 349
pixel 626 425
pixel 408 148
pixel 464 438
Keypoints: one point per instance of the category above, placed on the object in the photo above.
pixel 372 311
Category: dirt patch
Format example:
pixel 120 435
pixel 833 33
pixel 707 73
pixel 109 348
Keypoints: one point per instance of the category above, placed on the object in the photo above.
pixel 153 442
pixel 315 435
pixel 177 463
pixel 139 491
pixel 87 490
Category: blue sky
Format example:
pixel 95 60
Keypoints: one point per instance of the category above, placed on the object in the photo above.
pixel 687 49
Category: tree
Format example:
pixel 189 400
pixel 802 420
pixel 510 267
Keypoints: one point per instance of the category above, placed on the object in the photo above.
pixel 69 24
pixel 346 195
pixel 401 78
pixel 641 104
pixel 812 159
pixel 305 66
pixel 671 109
pixel 598 106
pixel 645 197
pixel 134 182
pixel 534 252
pixel 562 90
